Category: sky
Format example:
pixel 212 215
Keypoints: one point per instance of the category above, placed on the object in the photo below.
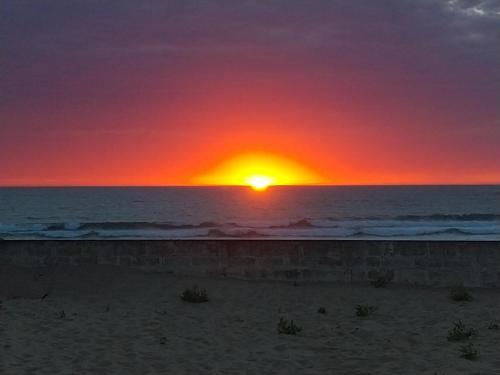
pixel 162 92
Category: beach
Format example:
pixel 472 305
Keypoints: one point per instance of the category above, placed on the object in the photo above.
pixel 100 319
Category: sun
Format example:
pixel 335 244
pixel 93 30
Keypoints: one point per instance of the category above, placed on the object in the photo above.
pixel 259 182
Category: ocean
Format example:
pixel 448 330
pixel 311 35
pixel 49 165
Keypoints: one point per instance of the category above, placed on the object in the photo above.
pixel 342 212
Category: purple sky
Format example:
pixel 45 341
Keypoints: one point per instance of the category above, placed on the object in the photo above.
pixel 112 92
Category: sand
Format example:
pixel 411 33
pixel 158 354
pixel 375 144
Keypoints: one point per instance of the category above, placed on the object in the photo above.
pixel 106 320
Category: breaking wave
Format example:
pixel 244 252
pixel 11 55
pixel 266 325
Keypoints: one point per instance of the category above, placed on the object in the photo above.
pixel 473 226
pixel 302 223
pixel 457 217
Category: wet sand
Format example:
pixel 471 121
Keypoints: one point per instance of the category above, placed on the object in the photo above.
pixel 117 320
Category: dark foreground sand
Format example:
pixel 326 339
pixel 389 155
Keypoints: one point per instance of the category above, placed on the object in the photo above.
pixel 123 321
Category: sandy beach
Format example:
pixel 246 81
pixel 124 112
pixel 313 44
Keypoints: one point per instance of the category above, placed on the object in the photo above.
pixel 118 320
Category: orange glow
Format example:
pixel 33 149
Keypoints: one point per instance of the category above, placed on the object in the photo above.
pixel 259 170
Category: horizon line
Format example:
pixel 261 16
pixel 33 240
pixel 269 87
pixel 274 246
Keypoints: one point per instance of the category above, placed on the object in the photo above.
pixel 248 186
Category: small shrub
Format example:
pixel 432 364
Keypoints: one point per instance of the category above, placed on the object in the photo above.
pixel 460 332
pixel 384 280
pixel 469 352
pixel 365 310
pixel 494 326
pixel 381 282
pixel 322 310
pixel 460 293
pixel 288 327
pixel 194 295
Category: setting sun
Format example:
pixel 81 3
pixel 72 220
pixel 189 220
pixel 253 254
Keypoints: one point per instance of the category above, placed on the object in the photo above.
pixel 259 170
pixel 259 182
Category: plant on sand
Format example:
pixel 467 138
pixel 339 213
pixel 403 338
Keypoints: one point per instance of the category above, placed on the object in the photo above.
pixel 494 326
pixel 384 280
pixel 288 327
pixel 469 352
pixel 195 295
pixel 460 293
pixel 365 310
pixel 460 332
pixel 322 310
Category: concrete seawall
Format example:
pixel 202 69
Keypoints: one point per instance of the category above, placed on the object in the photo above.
pixel 429 263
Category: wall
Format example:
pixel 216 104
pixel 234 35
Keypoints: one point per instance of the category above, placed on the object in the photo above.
pixel 440 263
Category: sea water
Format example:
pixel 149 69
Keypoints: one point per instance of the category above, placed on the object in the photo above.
pixel 349 212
